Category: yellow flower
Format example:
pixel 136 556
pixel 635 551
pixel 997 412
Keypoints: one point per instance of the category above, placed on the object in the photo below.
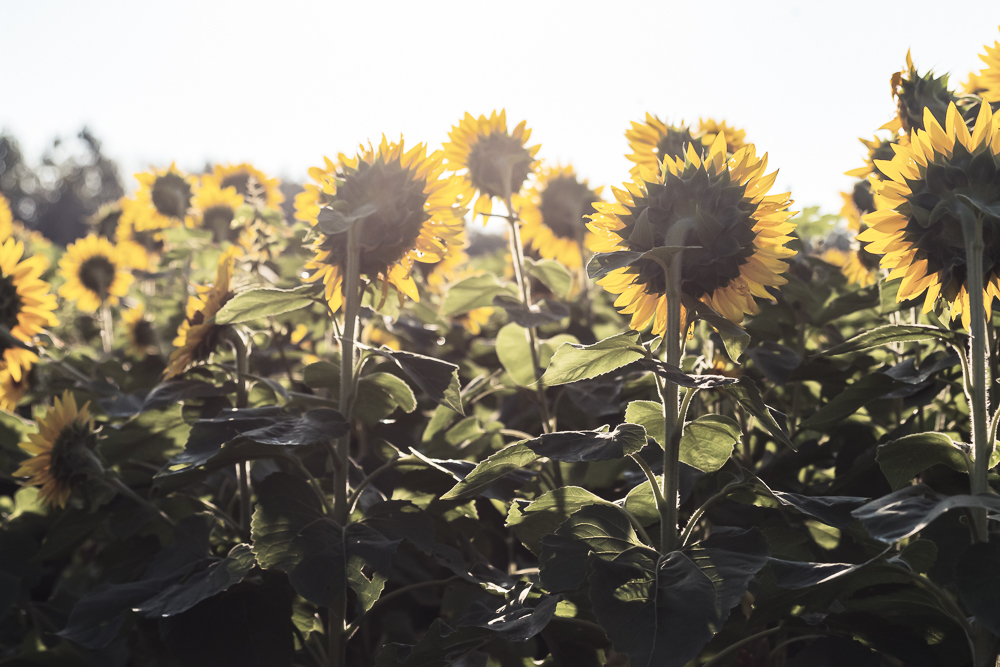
pixel 26 305
pixel 162 201
pixel 878 149
pixel 214 209
pixel 6 219
pixel 198 335
pixel 987 83
pixel 307 202
pixel 654 139
pixel 552 213
pixel 915 94
pixel 858 265
pixel 709 128
pixel 95 272
pixel 493 163
pixel 915 225
pixel 141 336
pixel 11 390
pixel 413 215
pixel 61 448
pixel 740 232
pixel 246 178
pixel 110 223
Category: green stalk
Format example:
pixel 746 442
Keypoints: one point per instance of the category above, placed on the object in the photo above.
pixel 337 629
pixel 107 327
pixel 674 344
pixel 242 399
pixel 979 405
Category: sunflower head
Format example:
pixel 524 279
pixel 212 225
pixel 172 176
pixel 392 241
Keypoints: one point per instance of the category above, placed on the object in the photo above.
pixel 96 272
pixel 141 334
pixel 63 450
pixel 718 207
pixel 879 148
pixel 215 209
pixel 554 212
pixel 199 335
pixel 916 93
pixel 986 84
pixel 655 139
pixel 407 211
pixel 249 183
pixel 107 220
pixel 11 390
pixel 162 201
pixel 709 129
pixel 492 161
pixel 943 174
pixel 26 306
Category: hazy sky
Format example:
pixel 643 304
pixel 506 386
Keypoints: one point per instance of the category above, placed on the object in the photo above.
pixel 282 84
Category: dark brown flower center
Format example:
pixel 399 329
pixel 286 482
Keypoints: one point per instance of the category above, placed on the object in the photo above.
pixel 862 197
pixel 499 165
pixel 210 337
pixel 69 452
pixel 107 225
pixel 10 303
pixel 564 203
pixel 97 273
pixel 391 231
pixel 143 334
pixel 219 220
pixel 171 195
pixel 239 180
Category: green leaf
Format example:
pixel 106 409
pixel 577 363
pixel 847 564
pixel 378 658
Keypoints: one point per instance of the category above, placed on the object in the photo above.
pixel 537 314
pixel 214 579
pixel 734 337
pixel 708 442
pixel 977 577
pixel 573 362
pixel 514 352
pixel 331 221
pixel 911 509
pixel 641 503
pixel 603 263
pixel 598 445
pixel 508 459
pixel 378 396
pixel 649 415
pixel 903 459
pixel 663 615
pixel 860 393
pixel 892 333
pixel 323 375
pixel 207 436
pixel 675 375
pixel 533 521
pixel 472 293
pixel 746 392
pixel 437 378
pixel 315 426
pixel 552 274
pixel 262 302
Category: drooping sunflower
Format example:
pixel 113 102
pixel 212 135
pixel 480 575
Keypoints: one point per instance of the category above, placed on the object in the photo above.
pixel 163 200
pixel 244 178
pixel 140 332
pixel 96 271
pixel 709 128
pixel 654 139
pixel 916 226
pixel 26 305
pixel 62 449
pixel 739 229
pixel 6 219
pixel 552 212
pixel 11 390
pixel 492 162
pixel 415 217
pixel 199 335
pixel 214 209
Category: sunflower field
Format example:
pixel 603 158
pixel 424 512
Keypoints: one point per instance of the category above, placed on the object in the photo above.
pixel 671 422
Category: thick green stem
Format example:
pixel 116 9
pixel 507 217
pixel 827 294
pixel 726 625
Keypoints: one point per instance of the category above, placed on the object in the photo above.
pixel 673 342
pixel 107 327
pixel 242 399
pixel 979 407
pixel 337 621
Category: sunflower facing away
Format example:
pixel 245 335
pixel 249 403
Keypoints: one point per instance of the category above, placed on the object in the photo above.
pixel 95 272
pixel 709 128
pixel 415 217
pixel 247 179
pixel 654 139
pixel 162 201
pixel 915 225
pixel 492 162
pixel 140 332
pixel 552 213
pixel 915 94
pixel 62 449
pixel 198 335
pixel 740 230
pixel 26 305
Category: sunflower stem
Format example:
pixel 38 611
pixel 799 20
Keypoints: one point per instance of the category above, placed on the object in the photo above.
pixel 668 391
pixel 107 327
pixel 242 399
pixel 337 621
pixel 978 406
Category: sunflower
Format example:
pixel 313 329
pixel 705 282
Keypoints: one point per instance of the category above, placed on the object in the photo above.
pixel 307 202
pixel 493 161
pixel 62 448
pixel 95 272
pixel 248 181
pixel 137 246
pixel 739 231
pixel 915 225
pixel 552 212
pixel 987 82
pixel 6 219
pixel 141 335
pixel 857 264
pixel 654 139
pixel 709 128
pixel 879 148
pixel 915 94
pixel 11 390
pixel 162 201
pixel 26 305
pixel 415 217
pixel 198 335
pixel 215 207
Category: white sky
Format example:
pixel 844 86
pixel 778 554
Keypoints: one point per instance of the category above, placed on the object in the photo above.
pixel 283 83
